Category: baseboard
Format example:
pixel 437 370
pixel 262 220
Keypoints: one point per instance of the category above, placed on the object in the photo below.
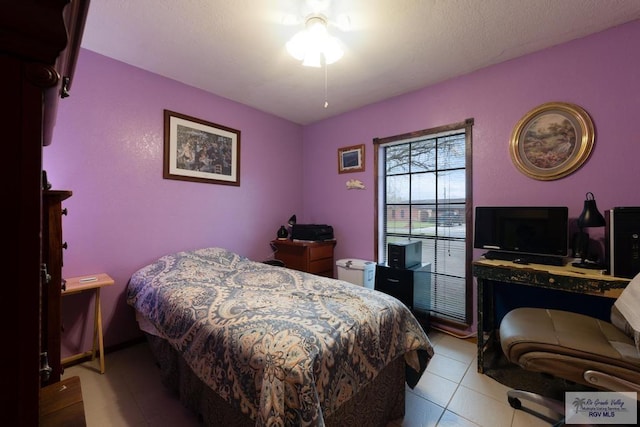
pixel 85 357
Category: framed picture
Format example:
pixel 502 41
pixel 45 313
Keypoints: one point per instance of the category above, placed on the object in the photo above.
pixel 200 151
pixel 351 159
pixel 552 140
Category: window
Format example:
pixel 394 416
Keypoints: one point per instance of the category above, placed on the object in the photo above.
pixel 423 192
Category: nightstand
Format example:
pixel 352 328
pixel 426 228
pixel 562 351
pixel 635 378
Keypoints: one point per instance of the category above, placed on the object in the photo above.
pixel 311 257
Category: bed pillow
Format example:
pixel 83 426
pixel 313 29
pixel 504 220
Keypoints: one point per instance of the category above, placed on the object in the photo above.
pixel 624 312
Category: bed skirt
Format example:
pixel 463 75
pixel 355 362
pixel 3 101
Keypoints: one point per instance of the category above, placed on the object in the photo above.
pixel 376 405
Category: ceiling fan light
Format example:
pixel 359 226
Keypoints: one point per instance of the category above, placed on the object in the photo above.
pixel 297 46
pixel 332 50
pixel 317 28
pixel 314 43
pixel 312 59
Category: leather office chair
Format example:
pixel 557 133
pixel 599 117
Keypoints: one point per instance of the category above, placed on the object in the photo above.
pixel 575 347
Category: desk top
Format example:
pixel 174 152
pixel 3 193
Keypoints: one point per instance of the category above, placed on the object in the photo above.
pixel 83 283
pixel 567 277
pixel 565 270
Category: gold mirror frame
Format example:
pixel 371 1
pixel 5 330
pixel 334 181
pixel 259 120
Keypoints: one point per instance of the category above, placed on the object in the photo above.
pixel 552 140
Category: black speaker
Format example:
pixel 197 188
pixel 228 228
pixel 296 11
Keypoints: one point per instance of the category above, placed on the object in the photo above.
pixel 622 236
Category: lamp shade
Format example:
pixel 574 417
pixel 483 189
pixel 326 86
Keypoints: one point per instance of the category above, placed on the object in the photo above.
pixel 590 216
pixel 313 43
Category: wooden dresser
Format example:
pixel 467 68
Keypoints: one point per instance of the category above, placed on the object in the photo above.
pixel 312 257
pixel 38 49
pixel 52 258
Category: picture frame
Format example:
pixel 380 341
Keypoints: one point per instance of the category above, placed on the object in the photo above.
pixel 200 151
pixel 552 140
pixel 351 159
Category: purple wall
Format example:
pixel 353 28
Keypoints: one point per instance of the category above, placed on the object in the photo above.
pixel 107 149
pixel 601 73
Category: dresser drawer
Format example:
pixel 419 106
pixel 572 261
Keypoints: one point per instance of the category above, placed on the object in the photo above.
pixel 293 261
pixel 320 252
pixel 395 282
pixel 311 257
pixel 320 265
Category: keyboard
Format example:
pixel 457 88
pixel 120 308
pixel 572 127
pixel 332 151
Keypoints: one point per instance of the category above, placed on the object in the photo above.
pixel 525 258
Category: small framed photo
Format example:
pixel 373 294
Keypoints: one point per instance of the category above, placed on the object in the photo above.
pixel 552 141
pixel 351 159
pixel 200 151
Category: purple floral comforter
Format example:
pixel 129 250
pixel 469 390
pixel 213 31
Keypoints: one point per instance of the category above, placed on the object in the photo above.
pixel 283 346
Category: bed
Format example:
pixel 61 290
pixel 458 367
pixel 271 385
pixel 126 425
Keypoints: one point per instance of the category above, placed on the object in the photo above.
pixel 246 343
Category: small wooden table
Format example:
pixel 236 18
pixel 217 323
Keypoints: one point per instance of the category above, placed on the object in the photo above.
pixel 94 282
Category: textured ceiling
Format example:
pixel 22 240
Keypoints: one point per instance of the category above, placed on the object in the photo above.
pixel 235 48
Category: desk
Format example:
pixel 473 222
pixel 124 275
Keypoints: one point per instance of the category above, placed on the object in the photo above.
pixel 94 283
pixel 564 278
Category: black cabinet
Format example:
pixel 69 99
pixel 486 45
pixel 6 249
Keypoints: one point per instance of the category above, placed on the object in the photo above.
pixel 412 286
pixel 396 282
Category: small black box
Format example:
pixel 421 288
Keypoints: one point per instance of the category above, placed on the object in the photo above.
pixel 404 254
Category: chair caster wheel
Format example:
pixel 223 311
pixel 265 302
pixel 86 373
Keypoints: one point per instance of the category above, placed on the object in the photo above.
pixel 515 402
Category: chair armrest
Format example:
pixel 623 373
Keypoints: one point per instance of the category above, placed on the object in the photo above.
pixel 609 382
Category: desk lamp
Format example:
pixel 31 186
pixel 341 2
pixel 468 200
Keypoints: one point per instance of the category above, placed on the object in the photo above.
pixel 590 217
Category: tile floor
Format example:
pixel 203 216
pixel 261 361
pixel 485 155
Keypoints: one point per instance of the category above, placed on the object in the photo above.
pixel 450 393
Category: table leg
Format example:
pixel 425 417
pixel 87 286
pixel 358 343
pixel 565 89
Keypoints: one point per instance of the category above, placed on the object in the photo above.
pixel 97 332
pixel 486 314
pixel 480 325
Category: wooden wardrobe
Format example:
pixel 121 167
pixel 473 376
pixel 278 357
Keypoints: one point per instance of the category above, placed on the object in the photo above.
pixel 39 44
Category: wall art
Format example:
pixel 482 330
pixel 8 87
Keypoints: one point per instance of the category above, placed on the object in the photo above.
pixel 200 151
pixel 552 140
pixel 351 159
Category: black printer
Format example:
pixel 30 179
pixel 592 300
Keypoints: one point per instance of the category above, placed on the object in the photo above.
pixel 313 232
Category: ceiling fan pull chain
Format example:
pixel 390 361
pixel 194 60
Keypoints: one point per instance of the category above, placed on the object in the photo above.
pixel 326 102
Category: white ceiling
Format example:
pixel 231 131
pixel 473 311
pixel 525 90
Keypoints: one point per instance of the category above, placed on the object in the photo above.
pixel 236 48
